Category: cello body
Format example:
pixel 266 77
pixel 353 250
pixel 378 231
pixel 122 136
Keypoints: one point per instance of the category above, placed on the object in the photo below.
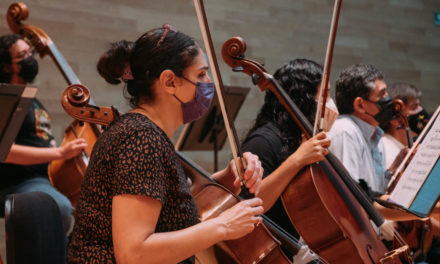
pixel 66 175
pixel 327 223
pixel 418 234
pixel 212 198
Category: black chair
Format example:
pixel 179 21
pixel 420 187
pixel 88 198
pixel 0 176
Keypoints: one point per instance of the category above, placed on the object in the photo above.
pixel 34 232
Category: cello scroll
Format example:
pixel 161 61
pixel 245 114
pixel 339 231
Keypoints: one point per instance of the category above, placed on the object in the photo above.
pixel 75 101
pixel 18 12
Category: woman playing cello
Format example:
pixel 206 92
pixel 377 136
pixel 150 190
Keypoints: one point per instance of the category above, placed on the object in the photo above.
pixel 135 204
pixel 277 140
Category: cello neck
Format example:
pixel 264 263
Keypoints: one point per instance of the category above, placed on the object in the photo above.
pixel 62 64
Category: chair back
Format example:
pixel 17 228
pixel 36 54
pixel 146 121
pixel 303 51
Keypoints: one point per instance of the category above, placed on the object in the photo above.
pixel 34 232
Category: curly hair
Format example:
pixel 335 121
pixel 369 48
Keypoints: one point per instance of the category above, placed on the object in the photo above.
pixel 6 42
pixel 355 81
pixel 155 51
pixel 300 79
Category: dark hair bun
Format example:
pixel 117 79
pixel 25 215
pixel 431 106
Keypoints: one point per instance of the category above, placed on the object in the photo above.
pixel 111 64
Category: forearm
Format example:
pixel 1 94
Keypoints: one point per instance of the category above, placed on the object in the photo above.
pixel 173 247
pixel 394 214
pixel 275 183
pixel 27 155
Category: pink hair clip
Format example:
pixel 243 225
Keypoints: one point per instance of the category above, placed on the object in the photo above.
pixel 127 75
pixel 167 27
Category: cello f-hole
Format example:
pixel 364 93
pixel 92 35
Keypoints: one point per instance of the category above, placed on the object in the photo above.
pixel 369 248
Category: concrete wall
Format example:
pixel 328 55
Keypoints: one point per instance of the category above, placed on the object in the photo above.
pixel 398 36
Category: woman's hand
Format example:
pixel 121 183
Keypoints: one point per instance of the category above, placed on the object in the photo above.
pixel 241 219
pixel 313 150
pixel 72 148
pixel 252 175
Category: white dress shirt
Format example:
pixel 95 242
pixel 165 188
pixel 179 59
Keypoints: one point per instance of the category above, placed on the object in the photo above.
pixel 392 147
pixel 356 144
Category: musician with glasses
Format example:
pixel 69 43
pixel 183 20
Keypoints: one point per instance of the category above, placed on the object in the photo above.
pixel 26 166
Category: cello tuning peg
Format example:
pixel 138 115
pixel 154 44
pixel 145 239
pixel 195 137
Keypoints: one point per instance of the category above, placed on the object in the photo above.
pixel 255 79
pixel 238 69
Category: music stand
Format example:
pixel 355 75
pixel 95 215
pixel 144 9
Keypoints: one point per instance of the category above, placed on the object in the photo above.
pixel 15 101
pixel 418 176
pixel 208 133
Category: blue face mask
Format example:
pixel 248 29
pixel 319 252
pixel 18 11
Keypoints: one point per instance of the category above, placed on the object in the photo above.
pixel 196 108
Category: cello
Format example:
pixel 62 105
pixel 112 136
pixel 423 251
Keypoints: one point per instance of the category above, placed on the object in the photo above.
pixel 65 175
pixel 322 195
pixel 230 129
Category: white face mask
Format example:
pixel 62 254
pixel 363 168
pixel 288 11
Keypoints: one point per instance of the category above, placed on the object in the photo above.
pixel 330 104
pixel 331 113
pixel 415 111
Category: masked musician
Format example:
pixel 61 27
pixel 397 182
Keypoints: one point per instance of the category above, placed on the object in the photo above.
pixel 410 95
pixel 135 204
pixel 25 168
pixel 276 138
pixel 394 141
pixel 363 103
pixel 395 138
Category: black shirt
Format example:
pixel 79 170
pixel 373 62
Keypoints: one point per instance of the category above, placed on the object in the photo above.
pixel 35 131
pixel 265 142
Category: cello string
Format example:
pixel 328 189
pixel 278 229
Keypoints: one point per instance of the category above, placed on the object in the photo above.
pixel 401 243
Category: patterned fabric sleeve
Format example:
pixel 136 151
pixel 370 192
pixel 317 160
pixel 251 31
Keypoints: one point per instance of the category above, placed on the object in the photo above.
pixel 139 168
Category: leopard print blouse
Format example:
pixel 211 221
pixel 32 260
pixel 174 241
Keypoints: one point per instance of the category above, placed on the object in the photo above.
pixel 133 156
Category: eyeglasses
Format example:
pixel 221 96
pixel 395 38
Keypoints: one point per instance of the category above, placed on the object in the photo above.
pixel 24 54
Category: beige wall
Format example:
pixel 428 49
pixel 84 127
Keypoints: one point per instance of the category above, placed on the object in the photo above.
pixel 398 36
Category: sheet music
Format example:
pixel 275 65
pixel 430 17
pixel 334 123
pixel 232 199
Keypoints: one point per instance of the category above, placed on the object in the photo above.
pixel 419 168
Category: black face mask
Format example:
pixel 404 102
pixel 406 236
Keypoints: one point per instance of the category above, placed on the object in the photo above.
pixel 418 121
pixel 385 105
pixel 28 69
